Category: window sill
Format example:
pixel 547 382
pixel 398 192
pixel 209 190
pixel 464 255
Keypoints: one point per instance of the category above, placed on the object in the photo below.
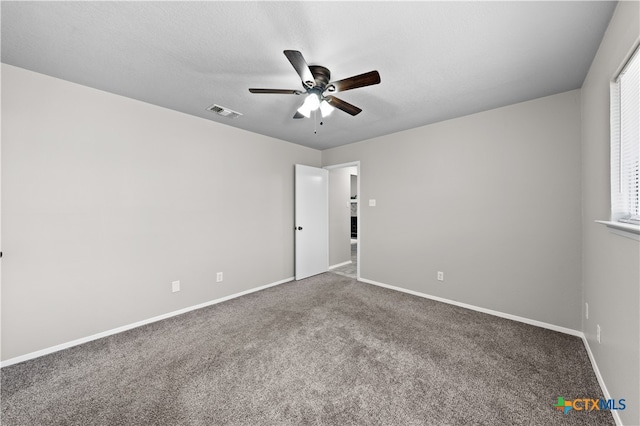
pixel 623 229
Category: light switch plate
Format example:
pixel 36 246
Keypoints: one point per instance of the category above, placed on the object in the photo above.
pixel 372 203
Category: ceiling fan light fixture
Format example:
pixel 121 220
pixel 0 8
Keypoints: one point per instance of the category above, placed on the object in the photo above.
pixel 312 101
pixel 304 110
pixel 325 108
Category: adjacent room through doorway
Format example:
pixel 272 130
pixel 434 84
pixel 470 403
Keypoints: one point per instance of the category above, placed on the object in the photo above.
pixel 344 227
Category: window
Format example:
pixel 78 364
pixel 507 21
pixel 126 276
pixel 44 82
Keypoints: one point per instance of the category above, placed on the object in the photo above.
pixel 625 143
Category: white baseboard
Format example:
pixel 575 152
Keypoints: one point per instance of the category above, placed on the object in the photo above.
pixel 603 386
pixel 337 265
pixel 52 349
pixel 479 309
pixel 117 330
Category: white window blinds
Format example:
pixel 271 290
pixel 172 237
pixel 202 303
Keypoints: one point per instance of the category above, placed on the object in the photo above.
pixel 625 142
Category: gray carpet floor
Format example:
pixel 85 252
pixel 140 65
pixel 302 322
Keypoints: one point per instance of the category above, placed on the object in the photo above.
pixel 326 350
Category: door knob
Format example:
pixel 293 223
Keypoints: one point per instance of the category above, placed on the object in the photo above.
pixel 299 228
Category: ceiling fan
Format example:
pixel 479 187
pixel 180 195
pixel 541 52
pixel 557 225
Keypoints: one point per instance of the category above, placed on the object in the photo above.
pixel 316 82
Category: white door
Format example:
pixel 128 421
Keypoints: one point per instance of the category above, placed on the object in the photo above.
pixel 312 221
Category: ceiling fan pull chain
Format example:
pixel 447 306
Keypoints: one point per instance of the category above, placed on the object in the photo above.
pixel 315 122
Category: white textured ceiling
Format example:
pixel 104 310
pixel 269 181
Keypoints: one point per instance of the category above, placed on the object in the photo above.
pixel 437 60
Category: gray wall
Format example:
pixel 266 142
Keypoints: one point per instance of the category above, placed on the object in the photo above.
pixel 106 200
pixel 611 265
pixel 339 216
pixel 494 203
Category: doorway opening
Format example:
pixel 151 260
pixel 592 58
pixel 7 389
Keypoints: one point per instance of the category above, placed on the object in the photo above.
pixel 344 219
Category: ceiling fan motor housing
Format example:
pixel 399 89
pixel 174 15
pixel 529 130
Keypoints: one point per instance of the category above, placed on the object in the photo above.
pixel 322 76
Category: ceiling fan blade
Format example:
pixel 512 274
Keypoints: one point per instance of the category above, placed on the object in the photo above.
pixel 301 67
pixel 366 79
pixel 277 91
pixel 298 115
pixel 344 106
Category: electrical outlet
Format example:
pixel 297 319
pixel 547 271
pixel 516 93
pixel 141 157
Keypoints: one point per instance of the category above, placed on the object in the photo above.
pixel 440 276
pixel 598 332
pixel 219 277
pixel 586 310
pixel 175 286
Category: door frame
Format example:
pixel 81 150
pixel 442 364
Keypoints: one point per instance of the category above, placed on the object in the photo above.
pixel 358 204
